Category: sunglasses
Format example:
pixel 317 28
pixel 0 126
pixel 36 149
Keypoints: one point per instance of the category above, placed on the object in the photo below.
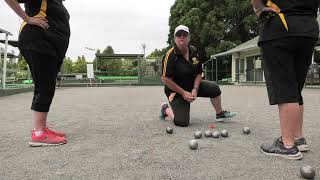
pixel 180 34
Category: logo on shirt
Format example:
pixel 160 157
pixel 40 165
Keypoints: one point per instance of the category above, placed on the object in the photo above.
pixel 195 61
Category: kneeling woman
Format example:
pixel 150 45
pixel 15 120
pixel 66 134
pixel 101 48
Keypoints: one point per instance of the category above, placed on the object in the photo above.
pixel 181 74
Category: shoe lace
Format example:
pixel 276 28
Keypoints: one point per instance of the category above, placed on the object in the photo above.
pixel 49 130
pixel 278 143
pixel 278 140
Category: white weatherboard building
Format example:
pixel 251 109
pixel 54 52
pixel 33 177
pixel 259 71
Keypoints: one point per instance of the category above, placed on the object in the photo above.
pixel 246 61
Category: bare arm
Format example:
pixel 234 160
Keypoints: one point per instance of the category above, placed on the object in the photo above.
pixel 196 85
pixel 197 82
pixel 259 7
pixel 38 21
pixel 17 9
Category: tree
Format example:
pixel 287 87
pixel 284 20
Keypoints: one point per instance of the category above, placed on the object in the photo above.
pixel 144 46
pixel 67 66
pixel 11 62
pixel 22 63
pixel 95 61
pixel 215 26
pixel 80 65
pixel 109 64
pixel 158 53
pixel 127 64
pixel 108 50
pixel 128 68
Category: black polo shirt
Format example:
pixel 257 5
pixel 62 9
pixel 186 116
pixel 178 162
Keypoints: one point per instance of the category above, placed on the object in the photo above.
pixel 300 16
pixel 53 41
pixel 182 72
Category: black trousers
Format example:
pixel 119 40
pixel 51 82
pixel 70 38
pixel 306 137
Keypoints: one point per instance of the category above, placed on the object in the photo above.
pixel 181 107
pixel 44 69
pixel 286 64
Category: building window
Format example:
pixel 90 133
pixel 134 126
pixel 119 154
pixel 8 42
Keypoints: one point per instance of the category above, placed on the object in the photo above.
pixel 254 70
pixel 241 65
pixel 317 57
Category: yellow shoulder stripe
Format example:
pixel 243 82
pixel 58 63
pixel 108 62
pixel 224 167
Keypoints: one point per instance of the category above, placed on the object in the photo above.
pixel 42 13
pixel 278 10
pixel 164 70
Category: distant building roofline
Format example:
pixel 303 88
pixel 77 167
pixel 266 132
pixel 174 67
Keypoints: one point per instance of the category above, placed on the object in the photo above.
pixel 119 56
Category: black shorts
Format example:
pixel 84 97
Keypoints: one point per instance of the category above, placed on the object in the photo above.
pixel 181 108
pixel 286 63
pixel 44 69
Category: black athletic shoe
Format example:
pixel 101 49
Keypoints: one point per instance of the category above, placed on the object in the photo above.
pixel 301 143
pixel 224 115
pixel 163 108
pixel 278 149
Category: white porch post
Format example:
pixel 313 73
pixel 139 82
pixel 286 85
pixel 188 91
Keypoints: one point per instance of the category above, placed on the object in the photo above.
pixel 235 56
pixel 4 70
pixel 312 60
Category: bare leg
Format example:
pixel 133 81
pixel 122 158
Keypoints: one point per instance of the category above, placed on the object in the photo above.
pixel 298 133
pixel 289 114
pixel 216 103
pixel 40 120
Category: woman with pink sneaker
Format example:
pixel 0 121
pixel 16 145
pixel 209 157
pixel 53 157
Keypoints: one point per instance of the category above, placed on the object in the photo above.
pixel 43 41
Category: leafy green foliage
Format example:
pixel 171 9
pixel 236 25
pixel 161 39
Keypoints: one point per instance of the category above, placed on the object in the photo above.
pixel 67 66
pixel 22 63
pixel 108 50
pixel 80 66
pixel 215 26
pixel 158 52
pixel 109 64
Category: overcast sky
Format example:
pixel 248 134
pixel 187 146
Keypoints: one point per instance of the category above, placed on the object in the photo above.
pixel 123 24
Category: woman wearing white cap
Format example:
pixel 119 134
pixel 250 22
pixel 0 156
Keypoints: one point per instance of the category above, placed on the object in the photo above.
pixel 181 74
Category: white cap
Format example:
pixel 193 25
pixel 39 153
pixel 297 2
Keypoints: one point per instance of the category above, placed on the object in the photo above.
pixel 181 28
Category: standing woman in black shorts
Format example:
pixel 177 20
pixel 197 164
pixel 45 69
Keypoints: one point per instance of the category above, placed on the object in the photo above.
pixel 181 74
pixel 287 40
pixel 43 41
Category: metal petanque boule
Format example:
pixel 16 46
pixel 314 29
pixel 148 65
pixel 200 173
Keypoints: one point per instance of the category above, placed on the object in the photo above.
pixel 215 134
pixel 193 144
pixel 208 133
pixel 307 172
pixel 198 134
pixel 169 130
pixel 224 133
pixel 246 130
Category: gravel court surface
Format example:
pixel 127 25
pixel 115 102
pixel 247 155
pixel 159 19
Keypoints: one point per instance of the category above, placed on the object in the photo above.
pixel 115 133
